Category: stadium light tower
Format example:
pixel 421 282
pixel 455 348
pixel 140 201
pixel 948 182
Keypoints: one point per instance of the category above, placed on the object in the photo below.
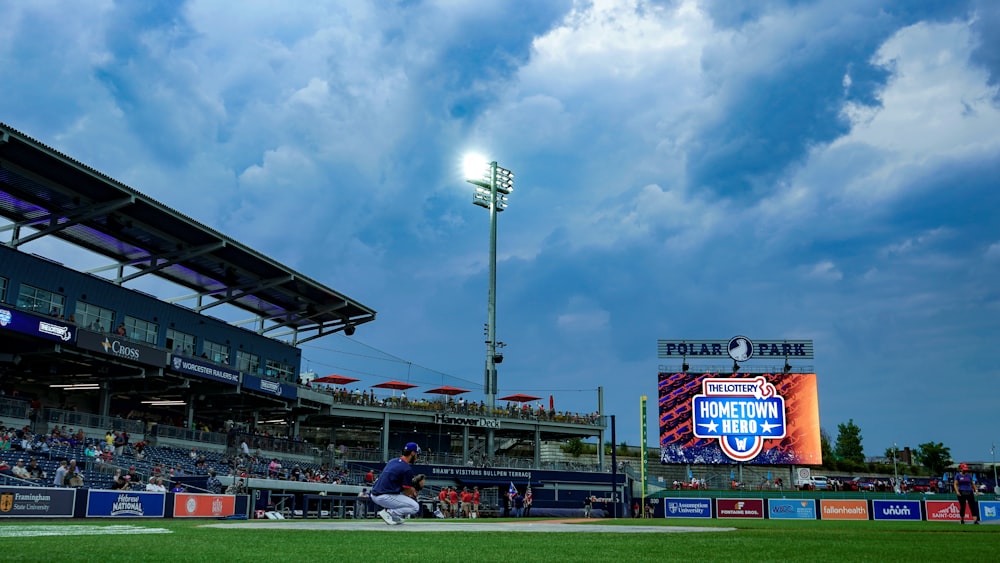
pixel 493 185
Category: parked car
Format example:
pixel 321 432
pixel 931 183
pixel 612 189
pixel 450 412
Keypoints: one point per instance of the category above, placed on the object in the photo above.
pixel 820 483
pixel 864 484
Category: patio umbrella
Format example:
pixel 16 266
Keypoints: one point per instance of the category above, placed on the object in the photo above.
pixel 394 385
pixel 520 398
pixel 336 379
pixel 447 390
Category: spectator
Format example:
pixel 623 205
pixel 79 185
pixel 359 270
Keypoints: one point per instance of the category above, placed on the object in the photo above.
pixel 120 331
pixel 20 471
pixel 35 470
pixel 239 487
pixel 74 477
pixel 60 477
pixel 213 484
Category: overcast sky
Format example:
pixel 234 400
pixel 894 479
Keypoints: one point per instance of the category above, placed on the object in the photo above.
pixel 822 170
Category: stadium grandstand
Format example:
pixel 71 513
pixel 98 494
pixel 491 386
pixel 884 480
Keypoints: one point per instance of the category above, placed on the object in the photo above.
pixel 87 356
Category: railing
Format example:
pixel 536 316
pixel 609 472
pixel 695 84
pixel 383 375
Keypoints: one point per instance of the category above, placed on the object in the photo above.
pixel 345 397
pixel 273 444
pixel 76 419
pixel 187 434
pixel 14 408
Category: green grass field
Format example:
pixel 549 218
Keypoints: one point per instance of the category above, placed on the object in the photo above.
pixel 191 541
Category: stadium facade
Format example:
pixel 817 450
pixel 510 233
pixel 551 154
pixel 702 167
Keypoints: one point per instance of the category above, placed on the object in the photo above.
pixel 88 348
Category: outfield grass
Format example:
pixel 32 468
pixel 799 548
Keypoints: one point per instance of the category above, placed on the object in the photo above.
pixel 191 541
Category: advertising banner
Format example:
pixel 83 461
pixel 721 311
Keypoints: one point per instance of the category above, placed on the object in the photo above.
pixel 129 504
pixel 796 509
pixel 944 511
pixel 896 510
pixel 739 508
pixel 989 511
pixel 36 502
pixel 687 508
pixel 203 505
pixel 270 387
pixel 35 325
pixel 761 419
pixel 204 369
pixel 122 348
pixel 844 509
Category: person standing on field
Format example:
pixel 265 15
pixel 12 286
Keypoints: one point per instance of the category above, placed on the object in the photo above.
pixel 966 491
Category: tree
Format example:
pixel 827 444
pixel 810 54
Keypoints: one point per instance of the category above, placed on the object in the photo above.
pixel 825 449
pixel 933 456
pixel 849 442
pixel 574 447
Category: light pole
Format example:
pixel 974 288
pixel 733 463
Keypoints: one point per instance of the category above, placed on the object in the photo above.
pixel 493 185
pixel 895 473
pixel 996 485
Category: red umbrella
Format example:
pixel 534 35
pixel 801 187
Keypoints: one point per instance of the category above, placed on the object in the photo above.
pixel 552 403
pixel 336 379
pixel 447 390
pixel 394 385
pixel 520 398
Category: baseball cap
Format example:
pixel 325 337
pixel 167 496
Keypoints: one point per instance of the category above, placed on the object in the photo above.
pixel 412 446
pixel 963 467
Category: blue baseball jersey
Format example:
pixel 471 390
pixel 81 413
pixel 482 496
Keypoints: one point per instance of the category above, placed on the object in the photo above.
pixel 396 475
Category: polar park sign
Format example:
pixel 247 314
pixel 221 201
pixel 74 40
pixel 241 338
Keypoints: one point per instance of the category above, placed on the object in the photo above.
pixel 758 418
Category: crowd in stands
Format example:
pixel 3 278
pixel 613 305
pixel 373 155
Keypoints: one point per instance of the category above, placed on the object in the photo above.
pixel 69 458
pixel 524 411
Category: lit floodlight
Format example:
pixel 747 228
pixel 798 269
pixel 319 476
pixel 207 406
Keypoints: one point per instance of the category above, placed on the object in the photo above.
pixel 475 167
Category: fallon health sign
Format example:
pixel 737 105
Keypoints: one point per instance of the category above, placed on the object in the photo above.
pixel 687 508
pixel 844 509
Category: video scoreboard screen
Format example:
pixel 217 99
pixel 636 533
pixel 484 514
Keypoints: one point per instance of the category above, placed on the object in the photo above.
pixel 768 419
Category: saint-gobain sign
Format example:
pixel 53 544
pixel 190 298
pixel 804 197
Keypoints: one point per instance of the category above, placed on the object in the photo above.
pixel 736 347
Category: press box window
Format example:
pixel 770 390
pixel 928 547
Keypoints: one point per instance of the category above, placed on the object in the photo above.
pixel 217 352
pixel 93 317
pixel 3 290
pixel 247 362
pixel 278 370
pixel 41 301
pixel 180 343
pixel 140 330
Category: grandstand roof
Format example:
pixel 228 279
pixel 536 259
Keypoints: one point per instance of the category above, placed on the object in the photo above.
pixel 46 193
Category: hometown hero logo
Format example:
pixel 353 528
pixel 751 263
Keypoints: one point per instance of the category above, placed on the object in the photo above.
pixel 741 413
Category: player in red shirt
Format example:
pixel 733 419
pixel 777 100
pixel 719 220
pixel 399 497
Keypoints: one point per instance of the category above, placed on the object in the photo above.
pixel 475 502
pixel 453 499
pixel 466 503
pixel 443 500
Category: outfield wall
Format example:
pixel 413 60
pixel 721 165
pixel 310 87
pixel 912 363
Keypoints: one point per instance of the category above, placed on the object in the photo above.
pixel 58 502
pixel 931 510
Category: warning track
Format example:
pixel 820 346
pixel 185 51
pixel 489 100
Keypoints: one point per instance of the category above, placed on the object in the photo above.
pixel 546 526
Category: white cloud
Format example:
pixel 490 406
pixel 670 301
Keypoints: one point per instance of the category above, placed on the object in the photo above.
pixel 993 252
pixel 825 270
